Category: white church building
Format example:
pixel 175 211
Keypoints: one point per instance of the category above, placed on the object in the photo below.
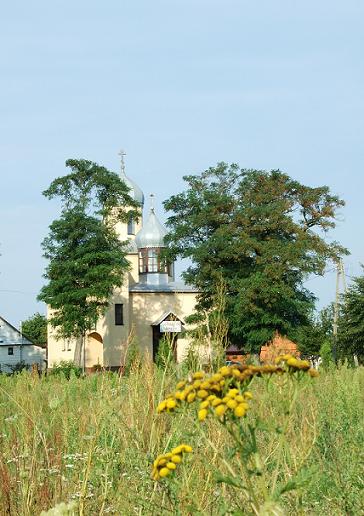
pixel 150 303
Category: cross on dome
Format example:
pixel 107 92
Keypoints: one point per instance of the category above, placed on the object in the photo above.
pixel 135 192
pixel 122 154
pixel 152 198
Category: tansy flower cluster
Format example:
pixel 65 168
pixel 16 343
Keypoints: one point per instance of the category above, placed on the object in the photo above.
pixel 165 464
pixel 224 393
pixel 294 364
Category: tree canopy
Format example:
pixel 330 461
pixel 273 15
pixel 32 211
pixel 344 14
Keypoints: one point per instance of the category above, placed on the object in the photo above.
pixel 86 259
pixel 351 321
pixel 35 329
pixel 264 234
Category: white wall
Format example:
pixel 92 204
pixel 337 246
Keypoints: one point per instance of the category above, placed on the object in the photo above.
pixel 30 354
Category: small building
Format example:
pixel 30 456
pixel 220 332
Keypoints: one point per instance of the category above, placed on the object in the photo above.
pixel 16 349
pixel 279 345
pixel 150 305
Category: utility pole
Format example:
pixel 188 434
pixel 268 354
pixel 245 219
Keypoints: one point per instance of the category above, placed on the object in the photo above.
pixel 340 275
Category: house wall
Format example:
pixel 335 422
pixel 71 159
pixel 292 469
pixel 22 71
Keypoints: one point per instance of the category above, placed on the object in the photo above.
pixel 29 354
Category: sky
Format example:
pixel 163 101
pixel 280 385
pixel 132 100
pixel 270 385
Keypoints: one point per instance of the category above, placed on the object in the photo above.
pixel 180 85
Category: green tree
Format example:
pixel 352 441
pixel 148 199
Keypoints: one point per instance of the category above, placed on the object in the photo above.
pixel 35 329
pixel 317 333
pixel 263 232
pixel 86 258
pixel 351 321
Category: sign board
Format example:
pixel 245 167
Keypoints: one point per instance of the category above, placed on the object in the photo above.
pixel 170 327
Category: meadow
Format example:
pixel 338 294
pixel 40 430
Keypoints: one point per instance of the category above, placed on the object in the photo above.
pixel 91 442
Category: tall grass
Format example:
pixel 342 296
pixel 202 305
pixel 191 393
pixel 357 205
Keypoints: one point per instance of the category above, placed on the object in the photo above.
pixel 92 440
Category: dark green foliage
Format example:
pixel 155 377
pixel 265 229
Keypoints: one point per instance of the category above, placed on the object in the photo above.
pixel 86 258
pixel 35 329
pixel 351 321
pixel 260 231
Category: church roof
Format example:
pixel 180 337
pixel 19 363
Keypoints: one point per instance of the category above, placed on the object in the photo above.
pixel 152 233
pixel 172 286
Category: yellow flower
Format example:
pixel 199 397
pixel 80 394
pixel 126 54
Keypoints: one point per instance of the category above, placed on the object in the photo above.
pixel 191 397
pixel 216 402
pixel 239 398
pixel 202 414
pixel 180 385
pixel 171 465
pixel 164 472
pixel 196 384
pixel 177 450
pixel 216 377
pixel 162 406
pixel 171 404
pixel 232 393
pixel 176 458
pixel 220 410
pixel 232 404
pixel 224 371
pixel 202 393
pixel 180 395
pixel 248 395
pixel 205 385
pixel 239 411
pixel 204 404
pixel 211 397
pixel 187 448
pixel 198 375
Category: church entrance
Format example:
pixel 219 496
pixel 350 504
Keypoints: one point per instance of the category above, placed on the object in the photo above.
pixel 171 339
pixel 166 328
pixel 94 350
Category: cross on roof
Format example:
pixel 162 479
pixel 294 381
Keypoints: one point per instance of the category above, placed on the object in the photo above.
pixel 122 153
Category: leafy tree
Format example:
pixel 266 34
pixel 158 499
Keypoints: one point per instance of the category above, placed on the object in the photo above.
pixel 86 258
pixel 35 329
pixel 264 233
pixel 317 333
pixel 351 321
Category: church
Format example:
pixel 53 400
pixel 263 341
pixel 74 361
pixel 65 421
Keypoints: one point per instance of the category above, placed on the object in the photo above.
pixel 150 305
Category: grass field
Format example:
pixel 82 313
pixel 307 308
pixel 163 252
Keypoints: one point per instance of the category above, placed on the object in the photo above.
pixel 92 441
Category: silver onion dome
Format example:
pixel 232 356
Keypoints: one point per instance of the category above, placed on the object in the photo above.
pixel 152 233
pixel 135 192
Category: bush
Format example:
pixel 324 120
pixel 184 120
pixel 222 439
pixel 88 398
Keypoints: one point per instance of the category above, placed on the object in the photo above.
pixel 326 354
pixel 67 369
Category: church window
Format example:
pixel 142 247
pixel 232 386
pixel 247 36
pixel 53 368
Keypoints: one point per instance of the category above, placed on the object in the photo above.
pixel 11 351
pixel 152 260
pixel 131 226
pixel 119 316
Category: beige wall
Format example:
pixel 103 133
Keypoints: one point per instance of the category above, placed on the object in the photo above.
pixel 147 308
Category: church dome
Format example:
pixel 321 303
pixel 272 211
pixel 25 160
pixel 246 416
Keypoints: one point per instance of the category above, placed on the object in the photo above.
pixel 152 233
pixel 135 192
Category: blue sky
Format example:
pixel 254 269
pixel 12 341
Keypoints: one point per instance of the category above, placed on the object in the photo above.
pixel 180 85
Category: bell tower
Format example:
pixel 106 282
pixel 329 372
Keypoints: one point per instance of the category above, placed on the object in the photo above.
pixel 153 269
